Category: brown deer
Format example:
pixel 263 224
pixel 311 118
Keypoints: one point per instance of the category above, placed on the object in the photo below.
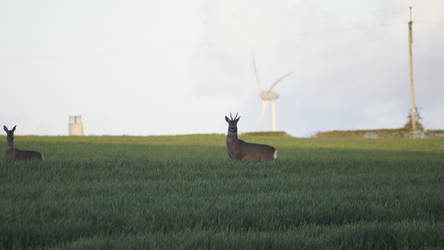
pixel 16 154
pixel 244 151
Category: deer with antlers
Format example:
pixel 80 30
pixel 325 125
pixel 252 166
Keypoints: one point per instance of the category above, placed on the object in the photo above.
pixel 16 154
pixel 244 151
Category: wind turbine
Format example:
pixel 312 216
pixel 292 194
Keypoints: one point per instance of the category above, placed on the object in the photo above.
pixel 268 96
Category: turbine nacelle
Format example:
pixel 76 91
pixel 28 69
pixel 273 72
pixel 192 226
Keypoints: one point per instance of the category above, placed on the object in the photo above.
pixel 269 95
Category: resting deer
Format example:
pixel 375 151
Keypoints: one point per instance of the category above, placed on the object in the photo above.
pixel 16 154
pixel 244 151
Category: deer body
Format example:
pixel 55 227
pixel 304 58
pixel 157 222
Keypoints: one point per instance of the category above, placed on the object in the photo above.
pixel 17 154
pixel 244 151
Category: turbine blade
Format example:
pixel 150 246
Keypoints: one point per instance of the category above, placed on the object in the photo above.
pixel 255 71
pixel 280 79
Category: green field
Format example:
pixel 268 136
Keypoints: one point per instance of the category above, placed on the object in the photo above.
pixel 182 192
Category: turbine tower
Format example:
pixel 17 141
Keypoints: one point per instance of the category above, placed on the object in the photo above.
pixel 268 96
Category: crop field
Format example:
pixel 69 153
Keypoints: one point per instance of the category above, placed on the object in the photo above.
pixel 183 192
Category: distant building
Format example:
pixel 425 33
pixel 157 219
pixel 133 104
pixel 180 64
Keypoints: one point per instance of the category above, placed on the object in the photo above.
pixel 75 125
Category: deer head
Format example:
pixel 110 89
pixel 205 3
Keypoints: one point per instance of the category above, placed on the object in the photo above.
pixel 9 133
pixel 232 123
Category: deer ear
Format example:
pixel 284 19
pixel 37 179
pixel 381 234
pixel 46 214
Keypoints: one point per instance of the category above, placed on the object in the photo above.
pixel 227 119
pixel 237 119
pixel 13 129
pixel 5 128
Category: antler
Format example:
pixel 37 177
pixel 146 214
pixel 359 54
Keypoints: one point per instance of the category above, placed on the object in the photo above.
pixel 236 117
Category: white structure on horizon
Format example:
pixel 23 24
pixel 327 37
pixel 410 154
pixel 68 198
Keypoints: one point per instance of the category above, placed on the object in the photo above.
pixel 268 96
pixel 75 125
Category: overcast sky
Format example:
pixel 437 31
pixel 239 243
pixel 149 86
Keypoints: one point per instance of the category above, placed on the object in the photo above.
pixel 176 67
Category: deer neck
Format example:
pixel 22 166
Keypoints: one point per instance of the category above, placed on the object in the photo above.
pixel 10 145
pixel 232 136
pixel 233 145
pixel 233 142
